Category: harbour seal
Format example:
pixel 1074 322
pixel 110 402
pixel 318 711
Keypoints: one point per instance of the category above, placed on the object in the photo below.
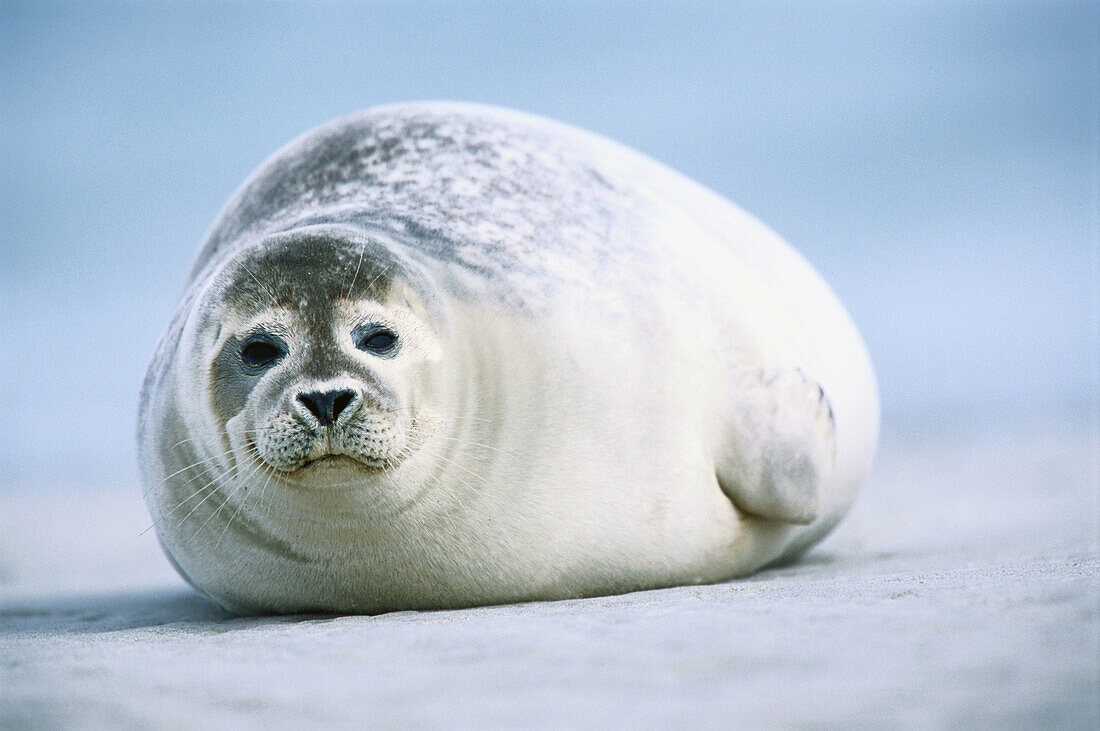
pixel 439 355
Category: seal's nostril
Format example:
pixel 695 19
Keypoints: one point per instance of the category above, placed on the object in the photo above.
pixel 343 398
pixel 326 406
pixel 311 402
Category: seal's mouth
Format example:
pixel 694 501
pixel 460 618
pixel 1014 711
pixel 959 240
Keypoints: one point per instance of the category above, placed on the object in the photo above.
pixel 324 463
pixel 361 448
pixel 336 462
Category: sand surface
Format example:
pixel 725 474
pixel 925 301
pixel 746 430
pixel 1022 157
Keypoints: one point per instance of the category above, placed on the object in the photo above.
pixel 962 590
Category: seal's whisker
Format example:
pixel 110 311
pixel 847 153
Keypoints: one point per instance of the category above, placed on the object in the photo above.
pixel 241 484
pixel 239 507
pixel 182 441
pixel 362 253
pixel 214 484
pixel 480 478
pixel 421 431
pixel 467 470
pixel 184 469
pixel 191 496
pixel 183 501
pixel 274 299
pixel 271 473
pixel 446 420
pixel 197 476
pixel 472 443
pixel 217 511
pixel 379 275
pixel 258 430
pixel 202 475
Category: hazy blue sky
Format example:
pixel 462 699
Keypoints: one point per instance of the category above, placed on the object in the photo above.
pixel 937 162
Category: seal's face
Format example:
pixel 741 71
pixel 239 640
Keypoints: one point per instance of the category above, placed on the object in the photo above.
pixel 319 370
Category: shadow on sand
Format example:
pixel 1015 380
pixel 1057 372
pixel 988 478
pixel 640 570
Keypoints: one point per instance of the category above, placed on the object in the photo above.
pixel 192 613
pixel 109 612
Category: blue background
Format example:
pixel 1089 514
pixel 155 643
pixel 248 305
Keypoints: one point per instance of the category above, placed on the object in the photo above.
pixel 936 162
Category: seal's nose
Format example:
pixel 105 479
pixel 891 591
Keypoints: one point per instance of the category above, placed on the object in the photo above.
pixel 326 406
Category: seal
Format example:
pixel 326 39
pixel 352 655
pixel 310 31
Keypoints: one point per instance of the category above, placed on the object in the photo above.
pixel 439 355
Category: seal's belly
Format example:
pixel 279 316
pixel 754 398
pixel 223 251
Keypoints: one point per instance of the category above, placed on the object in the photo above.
pixel 683 533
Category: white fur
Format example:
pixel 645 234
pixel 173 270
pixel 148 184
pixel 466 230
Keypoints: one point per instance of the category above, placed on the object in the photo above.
pixel 576 446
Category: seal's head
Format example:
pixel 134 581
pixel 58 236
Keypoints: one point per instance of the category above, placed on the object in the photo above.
pixel 318 354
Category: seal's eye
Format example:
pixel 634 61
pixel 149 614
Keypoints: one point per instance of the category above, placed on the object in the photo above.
pixel 380 342
pixel 260 353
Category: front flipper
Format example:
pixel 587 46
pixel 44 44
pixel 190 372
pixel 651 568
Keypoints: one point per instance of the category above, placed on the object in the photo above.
pixel 778 446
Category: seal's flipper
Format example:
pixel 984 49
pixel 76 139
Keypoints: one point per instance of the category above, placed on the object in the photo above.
pixel 778 447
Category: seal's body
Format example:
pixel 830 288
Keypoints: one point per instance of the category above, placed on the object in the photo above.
pixel 439 355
